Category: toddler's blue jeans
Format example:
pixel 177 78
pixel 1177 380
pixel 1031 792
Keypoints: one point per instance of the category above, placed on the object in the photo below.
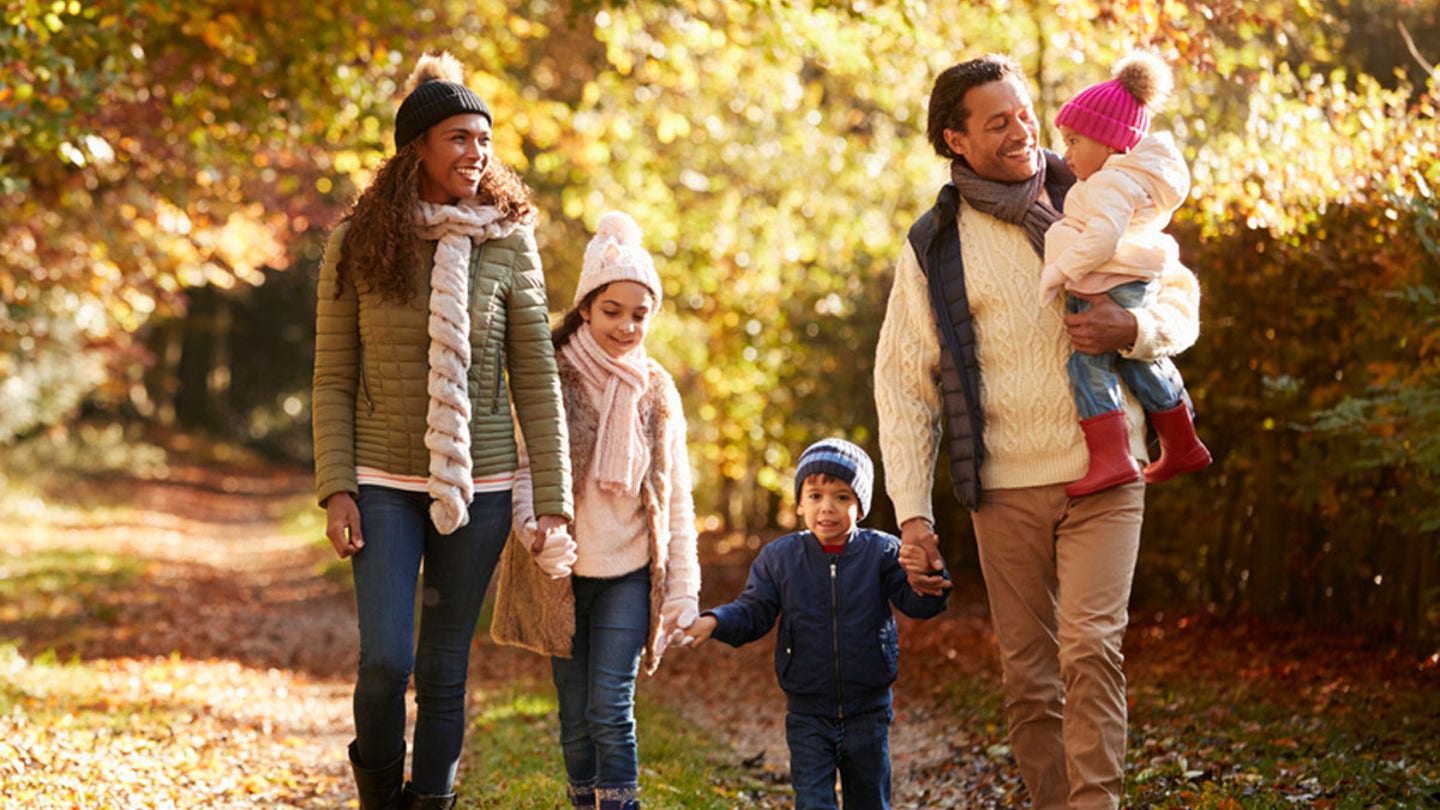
pixel 1095 378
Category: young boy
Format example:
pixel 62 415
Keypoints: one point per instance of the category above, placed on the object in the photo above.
pixel 838 651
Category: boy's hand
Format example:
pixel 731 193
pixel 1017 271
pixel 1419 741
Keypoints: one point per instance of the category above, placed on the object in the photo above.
pixel 920 557
pixel 699 632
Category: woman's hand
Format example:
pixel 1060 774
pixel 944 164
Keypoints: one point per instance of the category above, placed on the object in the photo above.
pixel 545 525
pixel 342 525
pixel 555 554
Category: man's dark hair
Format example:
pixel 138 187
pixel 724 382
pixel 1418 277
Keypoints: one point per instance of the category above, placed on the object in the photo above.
pixel 947 108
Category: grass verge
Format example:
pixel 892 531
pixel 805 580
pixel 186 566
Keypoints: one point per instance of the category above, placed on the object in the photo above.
pixel 513 757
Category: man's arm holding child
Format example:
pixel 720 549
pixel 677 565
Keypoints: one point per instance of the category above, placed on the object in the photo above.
pixel 1167 325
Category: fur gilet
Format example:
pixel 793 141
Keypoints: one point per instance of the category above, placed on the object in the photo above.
pixel 538 613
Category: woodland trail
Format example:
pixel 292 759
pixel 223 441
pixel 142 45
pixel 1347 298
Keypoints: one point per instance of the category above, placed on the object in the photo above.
pixel 174 644
pixel 180 639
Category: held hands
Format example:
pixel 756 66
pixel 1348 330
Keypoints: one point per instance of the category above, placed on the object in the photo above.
pixel 342 525
pixel 543 527
pixel 700 631
pixel 1051 282
pixel 676 614
pixel 920 557
pixel 552 547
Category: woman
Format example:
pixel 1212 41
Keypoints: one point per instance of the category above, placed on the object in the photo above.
pixel 430 292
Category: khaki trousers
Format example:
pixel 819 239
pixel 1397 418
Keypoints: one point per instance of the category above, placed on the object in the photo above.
pixel 1058 573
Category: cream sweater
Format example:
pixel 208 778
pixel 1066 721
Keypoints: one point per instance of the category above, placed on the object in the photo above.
pixel 1032 429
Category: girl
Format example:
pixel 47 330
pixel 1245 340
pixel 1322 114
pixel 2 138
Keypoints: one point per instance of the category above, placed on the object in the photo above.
pixel 631 580
pixel 429 293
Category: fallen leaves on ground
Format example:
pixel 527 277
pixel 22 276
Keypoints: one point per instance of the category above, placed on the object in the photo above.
pixel 165 642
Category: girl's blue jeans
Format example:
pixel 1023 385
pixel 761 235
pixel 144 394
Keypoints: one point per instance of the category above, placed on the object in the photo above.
pixel 857 747
pixel 596 686
pixel 1095 378
pixel 457 567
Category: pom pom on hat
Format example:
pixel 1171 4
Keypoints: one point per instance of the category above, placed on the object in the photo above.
pixel 1117 112
pixel 615 254
pixel 843 460
pixel 435 91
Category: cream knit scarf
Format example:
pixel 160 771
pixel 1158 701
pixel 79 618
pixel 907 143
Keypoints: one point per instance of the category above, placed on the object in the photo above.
pixel 615 385
pixel 447 434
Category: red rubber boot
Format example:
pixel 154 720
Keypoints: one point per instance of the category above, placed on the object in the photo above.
pixel 1180 449
pixel 1110 461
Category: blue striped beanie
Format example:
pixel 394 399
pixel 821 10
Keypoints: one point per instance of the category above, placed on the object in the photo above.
pixel 842 460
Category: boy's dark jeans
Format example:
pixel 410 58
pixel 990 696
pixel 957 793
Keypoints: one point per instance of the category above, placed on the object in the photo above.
pixel 857 747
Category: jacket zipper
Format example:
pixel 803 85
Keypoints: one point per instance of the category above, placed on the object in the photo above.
pixel 499 381
pixel 365 384
pixel 835 638
pixel 475 273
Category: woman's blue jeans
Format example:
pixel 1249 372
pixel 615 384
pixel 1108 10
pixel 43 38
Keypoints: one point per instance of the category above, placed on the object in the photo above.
pixel 857 747
pixel 596 686
pixel 398 536
pixel 1095 378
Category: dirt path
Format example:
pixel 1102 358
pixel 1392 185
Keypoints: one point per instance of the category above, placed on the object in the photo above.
pixel 217 637
pixel 200 660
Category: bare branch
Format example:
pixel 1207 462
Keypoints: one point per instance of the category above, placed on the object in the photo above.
pixel 1415 52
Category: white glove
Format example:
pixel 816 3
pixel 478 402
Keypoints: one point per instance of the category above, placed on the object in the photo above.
pixel 676 614
pixel 557 557
pixel 1051 282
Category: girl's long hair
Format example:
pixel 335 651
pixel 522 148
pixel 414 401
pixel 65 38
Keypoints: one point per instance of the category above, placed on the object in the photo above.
pixel 379 249
pixel 573 320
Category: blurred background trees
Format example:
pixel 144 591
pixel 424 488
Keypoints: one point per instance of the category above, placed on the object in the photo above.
pixel 168 170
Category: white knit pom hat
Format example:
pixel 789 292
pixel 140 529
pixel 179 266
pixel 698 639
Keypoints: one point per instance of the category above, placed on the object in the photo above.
pixel 615 254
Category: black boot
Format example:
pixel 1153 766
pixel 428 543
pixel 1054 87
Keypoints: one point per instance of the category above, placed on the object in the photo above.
pixel 417 801
pixel 379 788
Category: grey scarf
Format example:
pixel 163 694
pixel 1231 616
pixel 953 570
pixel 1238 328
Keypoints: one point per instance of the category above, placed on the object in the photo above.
pixel 1025 204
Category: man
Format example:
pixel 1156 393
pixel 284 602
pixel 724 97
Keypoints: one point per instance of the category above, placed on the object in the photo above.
pixel 964 343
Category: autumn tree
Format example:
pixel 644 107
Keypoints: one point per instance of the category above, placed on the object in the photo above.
pixel 167 171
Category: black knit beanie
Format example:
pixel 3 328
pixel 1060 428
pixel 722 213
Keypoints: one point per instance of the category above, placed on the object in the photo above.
pixel 432 102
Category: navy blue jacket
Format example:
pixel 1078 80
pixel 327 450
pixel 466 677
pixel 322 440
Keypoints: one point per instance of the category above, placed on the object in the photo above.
pixel 838 650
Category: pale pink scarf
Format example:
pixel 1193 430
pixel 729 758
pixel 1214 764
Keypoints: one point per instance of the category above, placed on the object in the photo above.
pixel 616 385
pixel 447 434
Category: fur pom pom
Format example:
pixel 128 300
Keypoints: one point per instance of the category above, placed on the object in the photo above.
pixel 440 66
pixel 1146 77
pixel 619 226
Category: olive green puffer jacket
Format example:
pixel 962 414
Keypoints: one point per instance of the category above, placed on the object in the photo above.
pixel 371 371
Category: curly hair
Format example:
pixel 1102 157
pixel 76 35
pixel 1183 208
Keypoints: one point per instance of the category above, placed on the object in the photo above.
pixel 947 99
pixel 379 246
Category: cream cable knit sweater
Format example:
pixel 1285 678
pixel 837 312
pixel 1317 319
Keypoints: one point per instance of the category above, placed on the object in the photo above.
pixel 1032 430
